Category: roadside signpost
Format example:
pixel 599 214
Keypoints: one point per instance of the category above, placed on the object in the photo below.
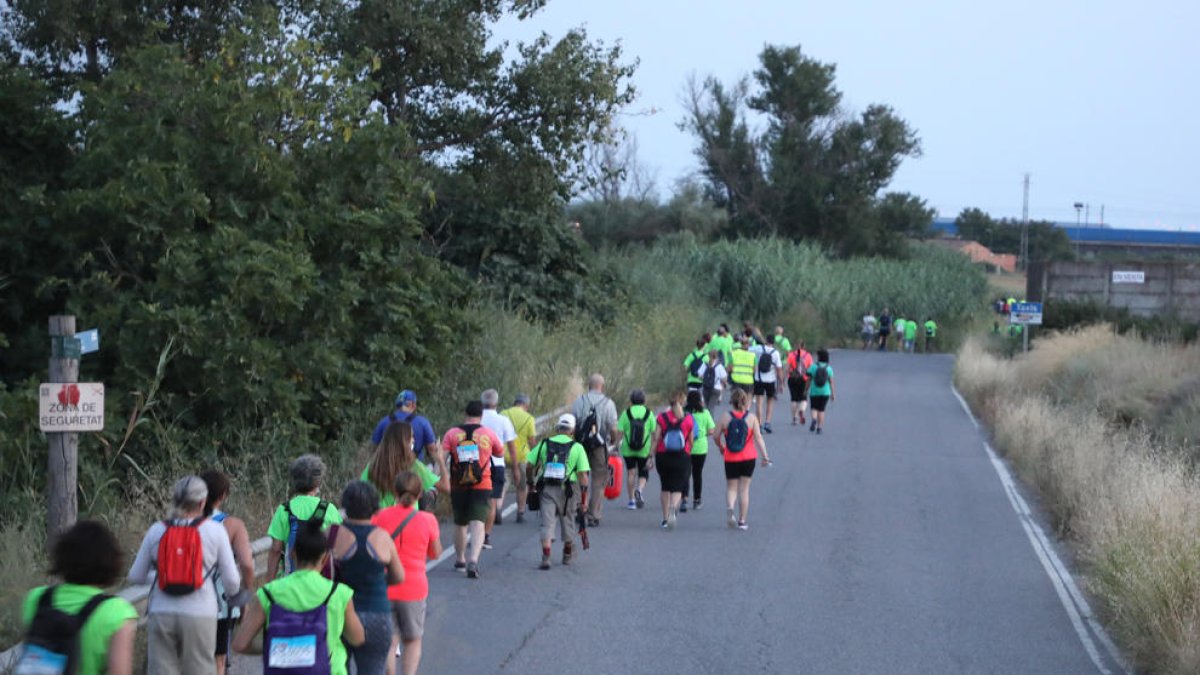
pixel 1025 314
pixel 65 408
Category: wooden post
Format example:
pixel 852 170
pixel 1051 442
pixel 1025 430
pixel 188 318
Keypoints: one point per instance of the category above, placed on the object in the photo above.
pixel 63 466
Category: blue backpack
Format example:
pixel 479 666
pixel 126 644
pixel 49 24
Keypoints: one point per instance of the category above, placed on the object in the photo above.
pixel 674 439
pixel 294 526
pixel 737 433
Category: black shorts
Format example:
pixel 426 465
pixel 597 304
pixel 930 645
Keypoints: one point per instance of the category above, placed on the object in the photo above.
pixel 764 389
pixel 224 627
pixel 498 481
pixel 470 505
pixel 797 389
pixel 673 468
pixel 638 463
pixel 743 469
pixel 818 403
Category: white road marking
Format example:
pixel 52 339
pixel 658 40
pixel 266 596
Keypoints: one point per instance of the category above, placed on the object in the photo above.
pixel 1073 601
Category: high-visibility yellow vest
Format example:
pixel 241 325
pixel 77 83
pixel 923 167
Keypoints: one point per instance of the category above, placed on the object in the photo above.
pixel 742 371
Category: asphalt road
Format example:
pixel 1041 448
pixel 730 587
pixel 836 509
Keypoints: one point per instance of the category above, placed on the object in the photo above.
pixel 885 545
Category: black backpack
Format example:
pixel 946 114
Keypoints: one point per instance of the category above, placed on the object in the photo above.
pixel 821 377
pixel 697 361
pixel 710 377
pixel 588 433
pixel 765 362
pixel 637 430
pixel 52 641
pixel 556 452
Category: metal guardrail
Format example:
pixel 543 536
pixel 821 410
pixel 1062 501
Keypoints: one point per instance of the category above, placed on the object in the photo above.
pixel 138 594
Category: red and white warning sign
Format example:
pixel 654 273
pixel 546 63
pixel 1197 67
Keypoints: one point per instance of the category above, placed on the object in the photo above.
pixel 77 406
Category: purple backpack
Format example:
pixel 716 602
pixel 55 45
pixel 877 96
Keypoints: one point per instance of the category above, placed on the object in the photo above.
pixel 295 642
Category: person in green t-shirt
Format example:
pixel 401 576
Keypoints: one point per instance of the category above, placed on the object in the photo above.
pixel 88 559
pixel 395 454
pixel 635 449
pixel 723 343
pixel 703 426
pixel 910 335
pixel 559 469
pixel 930 333
pixel 304 590
pixel 784 344
pixel 307 473
pixel 693 361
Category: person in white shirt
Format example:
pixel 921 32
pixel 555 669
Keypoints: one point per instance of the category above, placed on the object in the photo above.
pixel 504 430
pixel 868 330
pixel 181 629
pixel 712 395
pixel 765 381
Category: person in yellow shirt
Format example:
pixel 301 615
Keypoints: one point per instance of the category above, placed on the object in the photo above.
pixel 526 426
pixel 741 374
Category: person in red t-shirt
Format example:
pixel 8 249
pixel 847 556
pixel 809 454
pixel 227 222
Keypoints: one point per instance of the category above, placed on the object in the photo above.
pixel 798 362
pixel 741 442
pixel 672 456
pixel 469 448
pixel 417 540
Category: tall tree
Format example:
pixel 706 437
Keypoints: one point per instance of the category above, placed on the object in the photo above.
pixel 814 171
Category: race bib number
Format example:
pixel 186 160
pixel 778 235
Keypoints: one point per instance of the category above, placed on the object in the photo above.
pixel 468 453
pixel 293 652
pixel 498 461
pixel 37 660
pixel 556 471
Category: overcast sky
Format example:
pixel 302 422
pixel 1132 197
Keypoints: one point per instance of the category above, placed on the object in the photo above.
pixel 1097 100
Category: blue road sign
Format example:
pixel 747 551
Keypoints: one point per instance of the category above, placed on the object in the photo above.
pixel 89 341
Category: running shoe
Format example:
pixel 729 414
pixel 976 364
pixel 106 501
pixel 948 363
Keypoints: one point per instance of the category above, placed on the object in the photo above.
pixel 472 570
pixel 567 555
pixel 767 428
pixel 637 495
pixel 813 426
pixel 632 505
pixel 697 505
pixel 683 506
pixel 487 542
pixel 671 520
pixel 818 431
pixel 520 517
pixel 460 564
pixel 732 520
pixel 545 563
pixel 742 525
pixel 664 525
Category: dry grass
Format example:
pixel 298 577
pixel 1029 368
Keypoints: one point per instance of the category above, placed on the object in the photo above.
pixel 1075 418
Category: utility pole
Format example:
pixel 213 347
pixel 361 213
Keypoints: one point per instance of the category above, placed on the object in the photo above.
pixel 1101 215
pixel 63 462
pixel 1025 227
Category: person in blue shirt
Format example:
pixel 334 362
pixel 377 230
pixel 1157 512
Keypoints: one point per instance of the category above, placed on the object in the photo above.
pixel 426 441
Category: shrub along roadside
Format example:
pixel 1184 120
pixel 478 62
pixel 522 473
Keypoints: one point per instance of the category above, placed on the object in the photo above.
pixel 1118 488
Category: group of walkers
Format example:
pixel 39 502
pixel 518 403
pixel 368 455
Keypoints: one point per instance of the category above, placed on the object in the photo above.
pixel 346 582
pixel 876 330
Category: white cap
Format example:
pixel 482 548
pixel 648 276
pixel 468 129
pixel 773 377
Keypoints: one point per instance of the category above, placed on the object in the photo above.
pixel 566 420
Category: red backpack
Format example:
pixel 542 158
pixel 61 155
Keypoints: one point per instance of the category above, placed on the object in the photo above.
pixel 181 558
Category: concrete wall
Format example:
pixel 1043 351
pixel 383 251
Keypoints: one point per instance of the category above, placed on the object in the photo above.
pixel 1169 287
